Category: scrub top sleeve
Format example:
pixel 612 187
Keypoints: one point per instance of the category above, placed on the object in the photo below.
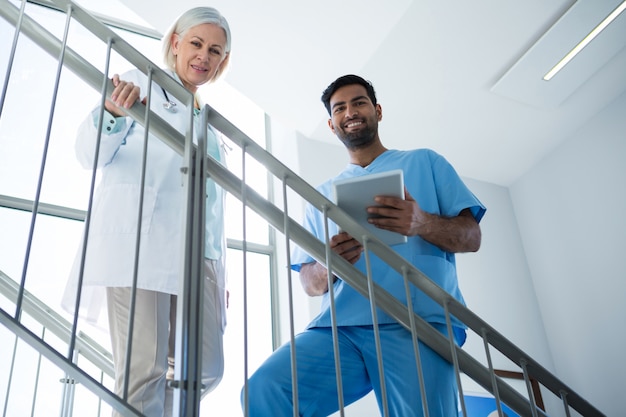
pixel 298 258
pixel 452 193
pixel 311 223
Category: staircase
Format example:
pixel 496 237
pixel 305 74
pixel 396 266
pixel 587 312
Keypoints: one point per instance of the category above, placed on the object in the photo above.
pixel 85 363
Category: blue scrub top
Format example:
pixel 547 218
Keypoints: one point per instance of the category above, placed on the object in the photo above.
pixel 438 189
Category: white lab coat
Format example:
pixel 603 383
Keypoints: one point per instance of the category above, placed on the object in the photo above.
pixel 109 260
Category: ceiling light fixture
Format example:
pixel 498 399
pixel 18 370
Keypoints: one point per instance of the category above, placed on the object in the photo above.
pixel 571 54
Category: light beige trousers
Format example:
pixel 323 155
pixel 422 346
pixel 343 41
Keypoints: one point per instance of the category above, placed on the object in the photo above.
pixel 152 353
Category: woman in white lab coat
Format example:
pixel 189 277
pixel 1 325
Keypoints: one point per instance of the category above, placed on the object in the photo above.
pixel 196 51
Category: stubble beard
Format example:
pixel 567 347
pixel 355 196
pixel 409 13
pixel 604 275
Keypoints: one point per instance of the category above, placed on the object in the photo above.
pixel 357 140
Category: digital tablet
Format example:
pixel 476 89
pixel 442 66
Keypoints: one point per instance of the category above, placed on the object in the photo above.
pixel 354 195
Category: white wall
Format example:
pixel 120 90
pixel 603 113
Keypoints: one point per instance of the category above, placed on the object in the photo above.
pixel 571 213
pixel 496 281
pixel 497 286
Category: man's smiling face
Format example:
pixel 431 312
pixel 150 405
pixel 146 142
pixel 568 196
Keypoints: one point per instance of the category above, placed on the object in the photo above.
pixel 354 118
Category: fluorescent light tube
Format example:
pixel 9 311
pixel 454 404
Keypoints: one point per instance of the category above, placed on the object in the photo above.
pixel 571 54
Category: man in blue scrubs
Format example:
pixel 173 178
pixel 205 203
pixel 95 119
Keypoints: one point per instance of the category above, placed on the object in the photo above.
pixel 440 217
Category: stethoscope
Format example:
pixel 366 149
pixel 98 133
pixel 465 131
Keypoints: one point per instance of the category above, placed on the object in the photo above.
pixel 169 105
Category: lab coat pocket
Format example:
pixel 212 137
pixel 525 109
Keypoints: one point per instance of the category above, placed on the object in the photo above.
pixel 117 208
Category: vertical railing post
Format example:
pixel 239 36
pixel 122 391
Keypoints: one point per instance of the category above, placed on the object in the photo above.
pixel 415 337
pixel 244 251
pixel 496 393
pixel 292 332
pixel 12 56
pixel 187 381
pixel 44 159
pixel 69 389
pixel 563 395
pixel 373 306
pixel 455 358
pixel 10 379
pixel 37 375
pixel 333 311
pixel 531 395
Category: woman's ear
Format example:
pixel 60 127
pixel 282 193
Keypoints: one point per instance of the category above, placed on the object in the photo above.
pixel 224 62
pixel 174 43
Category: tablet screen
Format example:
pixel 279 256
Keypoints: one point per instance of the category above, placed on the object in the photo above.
pixel 354 195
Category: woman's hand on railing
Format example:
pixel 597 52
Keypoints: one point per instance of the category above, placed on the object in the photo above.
pixel 124 95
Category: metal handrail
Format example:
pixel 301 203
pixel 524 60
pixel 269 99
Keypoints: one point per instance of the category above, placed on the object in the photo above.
pixel 59 326
pixel 42 208
pixel 303 238
pixel 71 368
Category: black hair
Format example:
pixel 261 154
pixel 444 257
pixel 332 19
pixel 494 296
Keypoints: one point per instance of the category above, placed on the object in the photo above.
pixel 342 82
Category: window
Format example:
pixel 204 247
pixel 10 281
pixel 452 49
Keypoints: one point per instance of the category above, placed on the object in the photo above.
pixel 23 127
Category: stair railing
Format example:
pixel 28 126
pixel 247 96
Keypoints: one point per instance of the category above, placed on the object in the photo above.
pixel 294 232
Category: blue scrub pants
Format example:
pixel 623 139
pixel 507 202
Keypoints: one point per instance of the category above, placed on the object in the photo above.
pixel 270 387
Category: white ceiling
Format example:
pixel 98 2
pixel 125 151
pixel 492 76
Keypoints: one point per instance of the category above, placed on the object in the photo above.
pixel 460 77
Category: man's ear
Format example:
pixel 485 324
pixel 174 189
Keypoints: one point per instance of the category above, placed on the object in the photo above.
pixel 379 112
pixel 330 124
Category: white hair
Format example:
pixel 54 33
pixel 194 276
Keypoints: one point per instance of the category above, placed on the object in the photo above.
pixel 194 17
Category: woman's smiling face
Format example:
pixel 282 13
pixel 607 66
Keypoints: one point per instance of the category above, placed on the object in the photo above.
pixel 200 52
